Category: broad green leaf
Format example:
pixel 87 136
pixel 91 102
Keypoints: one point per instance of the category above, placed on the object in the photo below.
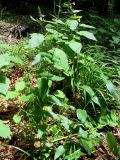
pixel 114 116
pixel 40 133
pixel 60 94
pixel 53 31
pixel 19 86
pixel 53 115
pixel 36 40
pixel 54 100
pixel 43 87
pixel 75 46
pixel 60 59
pixel 51 76
pixel 4 60
pixel 37 59
pixel 72 24
pixel 110 86
pixel 88 90
pixel 12 95
pixel 82 133
pixel 112 143
pixel 16 118
pixel 59 152
pixel 4 85
pixel 59 21
pixel 75 155
pixel 25 98
pixel 87 34
pixel 56 78
pixel 88 145
pixel 86 26
pixel 65 122
pixel 112 89
pixel 4 130
pixel 82 115
pixel 96 100
pixel 16 60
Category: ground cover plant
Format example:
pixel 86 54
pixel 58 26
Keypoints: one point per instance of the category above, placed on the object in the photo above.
pixel 67 97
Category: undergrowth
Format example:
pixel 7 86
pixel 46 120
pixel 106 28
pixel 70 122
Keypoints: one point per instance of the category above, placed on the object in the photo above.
pixel 68 96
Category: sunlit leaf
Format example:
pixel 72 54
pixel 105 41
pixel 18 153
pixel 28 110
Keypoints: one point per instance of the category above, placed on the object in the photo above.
pixel 4 130
pixel 75 46
pixel 20 86
pixel 16 118
pixel 59 152
pixel 72 24
pixel 60 59
pixel 54 100
pixel 36 40
pixel 87 34
pixel 89 90
pixel 82 115
pixel 37 59
pixel 75 155
pixel 86 26
pixel 12 95
pixel 4 85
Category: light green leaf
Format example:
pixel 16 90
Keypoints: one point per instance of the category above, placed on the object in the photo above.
pixel 4 85
pixel 54 100
pixel 25 98
pixel 88 145
pixel 4 60
pixel 96 100
pixel 60 94
pixel 82 133
pixel 40 133
pixel 82 115
pixel 16 60
pixel 59 152
pixel 88 90
pixel 4 130
pixel 75 46
pixel 53 31
pixel 86 26
pixel 36 40
pixel 51 76
pixel 87 34
pixel 20 86
pixel 75 155
pixel 72 24
pixel 37 59
pixel 60 59
pixel 12 95
pixel 16 118
pixel 65 122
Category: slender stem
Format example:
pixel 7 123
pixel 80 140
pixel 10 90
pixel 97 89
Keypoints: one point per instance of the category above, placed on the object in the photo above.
pixel 59 139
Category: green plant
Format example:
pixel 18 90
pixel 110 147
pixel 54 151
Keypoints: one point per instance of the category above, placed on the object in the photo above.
pixel 67 95
pixel 66 130
pixel 112 144
pixel 5 60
